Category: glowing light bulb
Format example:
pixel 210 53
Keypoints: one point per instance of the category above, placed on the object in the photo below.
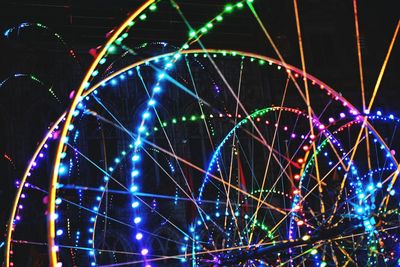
pixel 152 102
pixel 61 169
pixel 153 7
pixel 228 8
pixel 146 115
pixel 144 251
pixel 134 188
pixel 139 236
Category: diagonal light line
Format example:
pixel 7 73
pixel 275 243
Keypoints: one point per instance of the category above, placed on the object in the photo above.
pixel 382 71
pixel 309 110
pixel 360 65
pixel 268 163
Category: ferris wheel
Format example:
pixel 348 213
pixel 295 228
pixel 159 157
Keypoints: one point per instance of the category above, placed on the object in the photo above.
pixel 192 156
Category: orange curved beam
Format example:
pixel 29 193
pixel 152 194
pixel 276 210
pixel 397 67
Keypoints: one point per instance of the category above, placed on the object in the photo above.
pixel 19 191
pixel 52 190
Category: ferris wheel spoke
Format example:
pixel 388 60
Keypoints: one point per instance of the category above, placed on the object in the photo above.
pixel 269 159
pixel 227 190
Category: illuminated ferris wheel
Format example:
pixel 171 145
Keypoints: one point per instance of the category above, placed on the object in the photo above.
pixel 192 156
